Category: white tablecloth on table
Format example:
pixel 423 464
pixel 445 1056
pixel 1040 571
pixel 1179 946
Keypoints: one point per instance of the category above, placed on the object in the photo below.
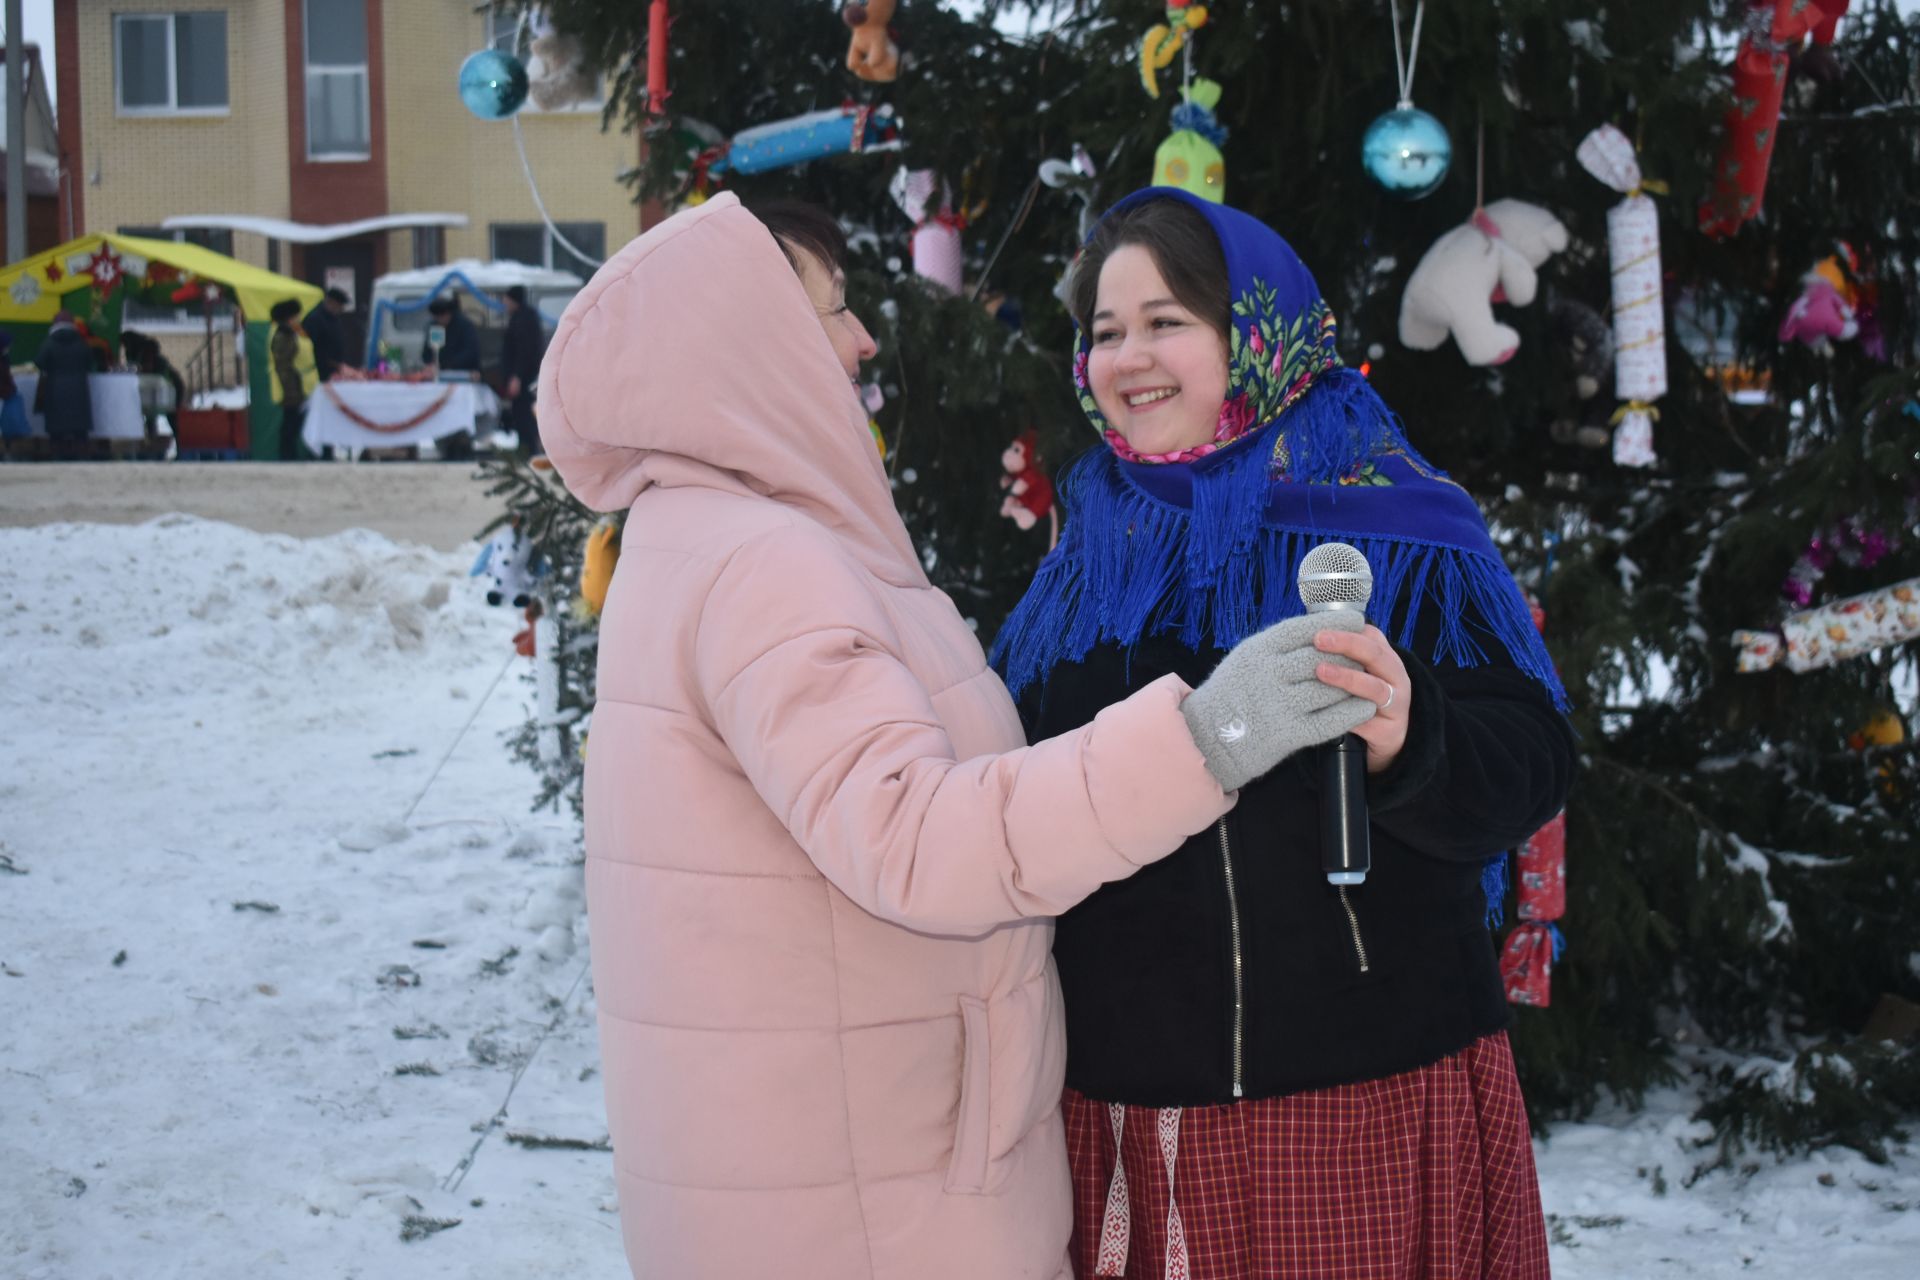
pixel 391 403
pixel 116 405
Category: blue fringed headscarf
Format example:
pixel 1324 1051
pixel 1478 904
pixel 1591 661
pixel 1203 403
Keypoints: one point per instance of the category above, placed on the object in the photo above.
pixel 1209 549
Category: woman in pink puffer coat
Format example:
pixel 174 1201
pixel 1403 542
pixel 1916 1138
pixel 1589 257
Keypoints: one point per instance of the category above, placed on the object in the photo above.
pixel 820 858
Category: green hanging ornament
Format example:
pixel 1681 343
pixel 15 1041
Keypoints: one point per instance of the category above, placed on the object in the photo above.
pixel 1191 158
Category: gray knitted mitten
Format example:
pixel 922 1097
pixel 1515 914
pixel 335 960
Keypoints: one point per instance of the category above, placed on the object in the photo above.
pixel 1264 702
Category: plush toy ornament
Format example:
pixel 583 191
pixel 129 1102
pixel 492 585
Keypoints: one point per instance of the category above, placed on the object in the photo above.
pixel 1828 307
pixel 510 565
pixel 1029 492
pixel 1164 39
pixel 873 55
pixel 597 564
pixel 1491 258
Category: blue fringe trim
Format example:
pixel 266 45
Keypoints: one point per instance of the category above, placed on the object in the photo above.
pixel 1559 941
pixel 1191 115
pixel 1493 883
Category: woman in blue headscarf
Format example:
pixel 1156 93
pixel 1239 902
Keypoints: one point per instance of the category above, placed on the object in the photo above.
pixel 1269 1075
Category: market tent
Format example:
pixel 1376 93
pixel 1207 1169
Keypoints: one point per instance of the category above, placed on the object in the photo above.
pixel 92 277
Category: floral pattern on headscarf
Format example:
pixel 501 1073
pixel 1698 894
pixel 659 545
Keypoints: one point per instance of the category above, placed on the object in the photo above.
pixel 1272 360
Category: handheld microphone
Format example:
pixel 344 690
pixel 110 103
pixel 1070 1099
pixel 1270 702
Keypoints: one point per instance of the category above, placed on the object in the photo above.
pixel 1335 576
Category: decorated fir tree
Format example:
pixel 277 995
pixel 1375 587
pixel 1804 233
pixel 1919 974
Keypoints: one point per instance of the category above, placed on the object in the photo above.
pixel 1717 438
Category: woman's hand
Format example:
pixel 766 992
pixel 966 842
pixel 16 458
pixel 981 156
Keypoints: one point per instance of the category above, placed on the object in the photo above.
pixel 1382 680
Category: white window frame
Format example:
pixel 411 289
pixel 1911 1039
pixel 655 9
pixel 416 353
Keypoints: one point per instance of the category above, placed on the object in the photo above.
pixel 172 109
pixel 313 69
pixel 506 38
pixel 550 248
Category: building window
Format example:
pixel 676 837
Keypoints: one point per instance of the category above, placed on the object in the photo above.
pixel 429 246
pixel 339 118
pixel 533 244
pixel 218 239
pixel 508 34
pixel 170 64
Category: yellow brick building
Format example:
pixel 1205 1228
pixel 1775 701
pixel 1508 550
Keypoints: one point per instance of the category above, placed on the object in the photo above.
pixel 321 113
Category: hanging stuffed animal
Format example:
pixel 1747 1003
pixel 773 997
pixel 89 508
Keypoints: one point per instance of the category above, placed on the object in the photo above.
pixel 1490 258
pixel 510 565
pixel 1190 159
pixel 1164 39
pixel 1828 307
pixel 873 54
pixel 597 562
pixel 558 76
pixel 1029 492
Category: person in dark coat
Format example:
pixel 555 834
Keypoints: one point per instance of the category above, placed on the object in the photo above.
pixel 327 332
pixel 461 354
pixel 284 347
pixel 520 353
pixel 63 397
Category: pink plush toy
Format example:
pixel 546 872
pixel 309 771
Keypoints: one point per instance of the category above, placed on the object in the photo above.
pixel 1029 492
pixel 1827 308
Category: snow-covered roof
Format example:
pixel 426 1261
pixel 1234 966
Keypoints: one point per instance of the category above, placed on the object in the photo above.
pixel 308 232
pixel 486 275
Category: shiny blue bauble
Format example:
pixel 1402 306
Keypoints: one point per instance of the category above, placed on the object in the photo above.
pixel 1407 152
pixel 493 84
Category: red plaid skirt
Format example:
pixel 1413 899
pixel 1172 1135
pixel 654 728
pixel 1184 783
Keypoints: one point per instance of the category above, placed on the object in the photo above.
pixel 1427 1175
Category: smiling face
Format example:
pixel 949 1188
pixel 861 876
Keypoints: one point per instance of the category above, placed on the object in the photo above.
pixel 1157 371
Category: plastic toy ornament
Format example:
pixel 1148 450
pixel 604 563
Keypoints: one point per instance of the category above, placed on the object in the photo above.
pixel 493 84
pixel 1407 152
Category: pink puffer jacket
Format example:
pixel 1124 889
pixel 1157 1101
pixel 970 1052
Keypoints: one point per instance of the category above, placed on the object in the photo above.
pixel 820 859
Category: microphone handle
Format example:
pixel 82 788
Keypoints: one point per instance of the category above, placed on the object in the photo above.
pixel 1345 852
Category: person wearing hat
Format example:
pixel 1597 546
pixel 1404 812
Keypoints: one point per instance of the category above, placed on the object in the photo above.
pixel 460 354
pixel 291 365
pixel 63 396
pixel 520 353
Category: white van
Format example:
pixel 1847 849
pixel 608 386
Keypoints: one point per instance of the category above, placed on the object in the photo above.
pixel 397 318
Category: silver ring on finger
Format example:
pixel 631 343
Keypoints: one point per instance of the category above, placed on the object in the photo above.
pixel 1389 701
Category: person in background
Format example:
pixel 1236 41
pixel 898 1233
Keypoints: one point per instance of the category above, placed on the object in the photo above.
pixel 325 329
pixel 13 413
pixel 288 376
pixel 63 398
pixel 520 353
pixel 460 355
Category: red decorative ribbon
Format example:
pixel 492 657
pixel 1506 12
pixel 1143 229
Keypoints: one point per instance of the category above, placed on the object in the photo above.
pixel 386 428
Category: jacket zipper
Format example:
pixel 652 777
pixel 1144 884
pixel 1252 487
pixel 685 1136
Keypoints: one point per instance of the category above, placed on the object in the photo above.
pixel 1353 924
pixel 1233 929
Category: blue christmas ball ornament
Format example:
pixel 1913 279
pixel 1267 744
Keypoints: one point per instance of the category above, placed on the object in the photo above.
pixel 493 84
pixel 1407 152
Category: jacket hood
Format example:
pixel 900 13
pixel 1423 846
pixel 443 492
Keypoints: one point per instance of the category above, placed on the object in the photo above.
pixel 694 358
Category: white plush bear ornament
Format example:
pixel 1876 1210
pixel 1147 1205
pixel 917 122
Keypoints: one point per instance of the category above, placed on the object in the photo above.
pixel 1489 259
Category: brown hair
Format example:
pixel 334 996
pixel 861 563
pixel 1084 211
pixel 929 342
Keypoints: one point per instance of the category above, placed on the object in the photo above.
pixel 795 224
pixel 1183 247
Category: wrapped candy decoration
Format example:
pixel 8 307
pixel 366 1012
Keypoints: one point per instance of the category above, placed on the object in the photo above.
pixel 835 131
pixel 936 247
pixel 1190 157
pixel 1639 326
pixel 1526 964
pixel 1774 30
pixel 1841 629
pixel 1542 892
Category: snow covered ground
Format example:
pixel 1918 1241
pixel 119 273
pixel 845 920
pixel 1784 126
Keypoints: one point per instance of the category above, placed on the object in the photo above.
pixel 267 982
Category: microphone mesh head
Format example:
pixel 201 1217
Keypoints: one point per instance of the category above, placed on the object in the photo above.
pixel 1335 576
